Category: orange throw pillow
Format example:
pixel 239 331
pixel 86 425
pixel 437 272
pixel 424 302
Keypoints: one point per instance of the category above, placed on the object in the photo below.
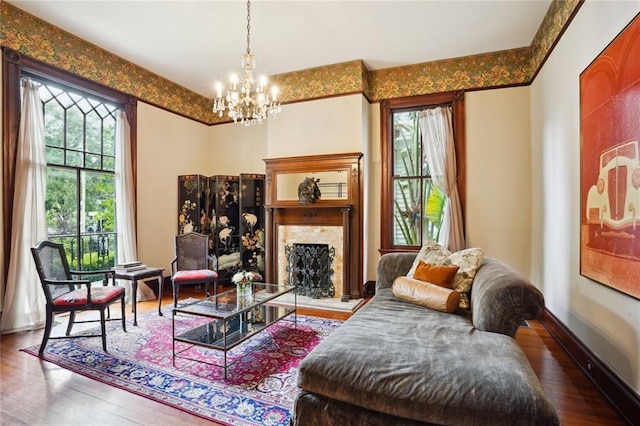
pixel 441 275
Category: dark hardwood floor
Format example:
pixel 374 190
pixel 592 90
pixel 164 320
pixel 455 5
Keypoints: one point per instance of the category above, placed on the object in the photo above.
pixel 36 392
pixel 576 399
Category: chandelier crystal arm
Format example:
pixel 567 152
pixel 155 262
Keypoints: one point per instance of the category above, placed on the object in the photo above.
pixel 247 99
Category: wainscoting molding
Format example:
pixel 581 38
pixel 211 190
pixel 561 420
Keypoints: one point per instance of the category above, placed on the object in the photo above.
pixel 618 393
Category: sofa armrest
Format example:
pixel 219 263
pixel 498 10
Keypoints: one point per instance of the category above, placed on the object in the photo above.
pixel 501 298
pixel 392 265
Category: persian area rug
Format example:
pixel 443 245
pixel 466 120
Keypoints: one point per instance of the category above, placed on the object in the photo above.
pixel 261 381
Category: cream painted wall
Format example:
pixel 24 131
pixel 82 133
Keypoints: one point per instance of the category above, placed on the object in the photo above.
pixel 327 126
pixel 373 173
pixel 343 124
pixel 366 149
pixel 235 148
pixel 497 128
pixel 324 126
pixel 168 146
pixel 498 209
pixel 181 146
pixel 607 321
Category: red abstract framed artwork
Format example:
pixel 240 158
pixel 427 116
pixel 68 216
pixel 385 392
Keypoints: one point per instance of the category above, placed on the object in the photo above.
pixel 610 164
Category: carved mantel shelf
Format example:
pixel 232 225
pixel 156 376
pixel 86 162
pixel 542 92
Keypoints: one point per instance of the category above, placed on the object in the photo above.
pixel 309 206
pixel 345 212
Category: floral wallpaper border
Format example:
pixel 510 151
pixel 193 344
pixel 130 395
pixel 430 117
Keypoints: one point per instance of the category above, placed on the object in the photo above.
pixel 324 81
pixel 504 68
pixel 40 40
pixel 556 19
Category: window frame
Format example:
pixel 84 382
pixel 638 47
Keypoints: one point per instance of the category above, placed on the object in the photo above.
pixel 14 65
pixel 409 103
pixel 84 150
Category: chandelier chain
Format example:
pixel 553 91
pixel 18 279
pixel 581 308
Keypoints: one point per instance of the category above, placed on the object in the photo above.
pixel 248 27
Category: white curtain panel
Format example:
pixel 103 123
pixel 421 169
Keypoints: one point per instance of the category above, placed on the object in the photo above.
pixel 24 303
pixel 440 153
pixel 125 205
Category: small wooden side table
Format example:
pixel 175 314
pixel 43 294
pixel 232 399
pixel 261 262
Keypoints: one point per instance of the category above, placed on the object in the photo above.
pixel 141 274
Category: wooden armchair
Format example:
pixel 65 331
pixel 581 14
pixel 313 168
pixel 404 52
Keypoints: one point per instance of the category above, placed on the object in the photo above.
pixel 66 294
pixel 191 263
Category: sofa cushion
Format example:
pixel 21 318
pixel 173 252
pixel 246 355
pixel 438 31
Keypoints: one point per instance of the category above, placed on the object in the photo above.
pixel 469 260
pixel 426 294
pixel 416 363
pixel 194 274
pixel 99 295
pixel 442 275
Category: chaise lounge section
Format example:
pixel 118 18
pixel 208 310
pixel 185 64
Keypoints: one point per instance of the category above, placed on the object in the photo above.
pixel 400 363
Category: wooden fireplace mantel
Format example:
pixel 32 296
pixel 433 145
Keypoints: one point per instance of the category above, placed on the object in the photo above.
pixel 345 212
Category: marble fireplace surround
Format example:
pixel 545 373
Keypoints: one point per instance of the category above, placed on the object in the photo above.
pixel 328 224
pixel 288 235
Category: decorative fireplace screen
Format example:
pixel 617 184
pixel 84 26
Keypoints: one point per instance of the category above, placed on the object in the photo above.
pixel 309 267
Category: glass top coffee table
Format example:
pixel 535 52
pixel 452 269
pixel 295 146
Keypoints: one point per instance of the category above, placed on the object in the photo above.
pixel 229 319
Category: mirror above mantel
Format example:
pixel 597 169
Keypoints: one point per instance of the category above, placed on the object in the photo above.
pixel 337 176
pixel 333 185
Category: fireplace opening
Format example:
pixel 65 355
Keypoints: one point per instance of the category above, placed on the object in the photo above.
pixel 310 269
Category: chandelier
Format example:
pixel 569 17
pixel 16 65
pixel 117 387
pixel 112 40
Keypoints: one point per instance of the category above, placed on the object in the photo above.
pixel 247 99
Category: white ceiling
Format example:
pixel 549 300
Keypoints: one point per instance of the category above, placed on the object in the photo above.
pixel 195 43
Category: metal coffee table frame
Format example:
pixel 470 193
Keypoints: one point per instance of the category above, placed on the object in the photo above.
pixel 234 319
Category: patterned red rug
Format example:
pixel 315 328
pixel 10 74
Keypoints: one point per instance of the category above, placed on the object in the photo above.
pixel 261 383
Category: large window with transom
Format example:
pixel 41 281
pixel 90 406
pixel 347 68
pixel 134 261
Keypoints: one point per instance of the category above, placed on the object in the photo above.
pixel 80 153
pixel 80 126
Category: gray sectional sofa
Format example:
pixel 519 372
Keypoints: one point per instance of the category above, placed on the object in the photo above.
pixel 396 363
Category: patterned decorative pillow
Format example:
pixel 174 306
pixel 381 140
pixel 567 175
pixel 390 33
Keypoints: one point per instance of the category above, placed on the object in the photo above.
pixel 469 260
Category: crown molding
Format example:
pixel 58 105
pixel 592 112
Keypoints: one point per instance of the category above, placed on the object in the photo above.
pixel 38 39
pixel 43 41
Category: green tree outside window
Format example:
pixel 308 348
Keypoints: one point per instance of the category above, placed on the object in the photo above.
pixel 418 203
pixel 80 153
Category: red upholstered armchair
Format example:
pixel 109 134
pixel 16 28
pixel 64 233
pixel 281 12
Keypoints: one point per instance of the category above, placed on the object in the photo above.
pixel 192 262
pixel 66 294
